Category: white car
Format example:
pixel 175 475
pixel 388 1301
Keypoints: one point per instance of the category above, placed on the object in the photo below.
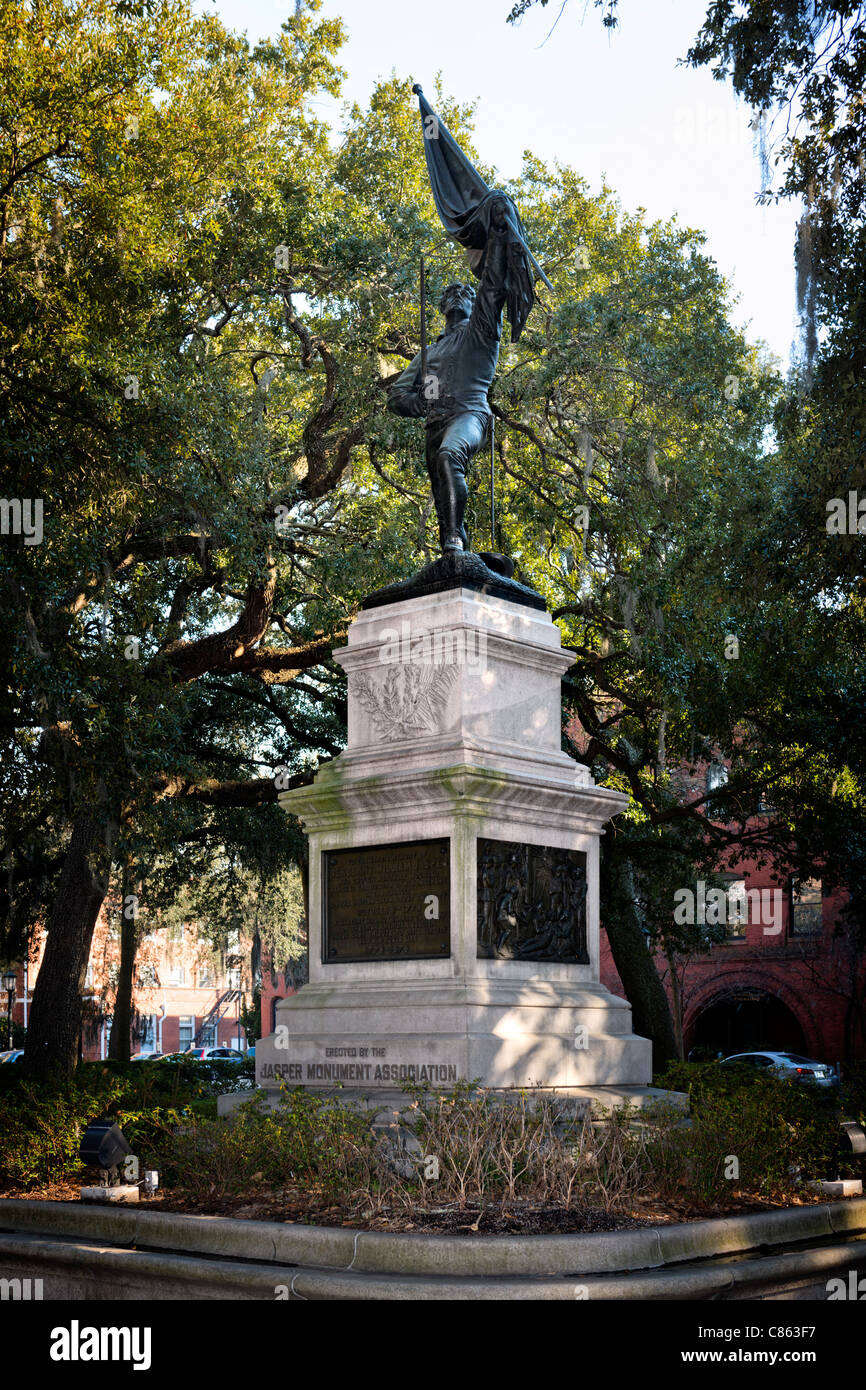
pixel 789 1065
pixel 215 1054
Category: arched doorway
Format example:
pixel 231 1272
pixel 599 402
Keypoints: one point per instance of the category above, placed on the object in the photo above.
pixel 747 1020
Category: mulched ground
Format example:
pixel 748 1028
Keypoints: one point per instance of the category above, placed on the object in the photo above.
pixel 510 1218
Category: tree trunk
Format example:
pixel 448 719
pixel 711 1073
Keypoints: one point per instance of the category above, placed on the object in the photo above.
pixel 121 1028
pixel 54 1028
pixel 644 990
pixel 853 1031
pixel 677 1010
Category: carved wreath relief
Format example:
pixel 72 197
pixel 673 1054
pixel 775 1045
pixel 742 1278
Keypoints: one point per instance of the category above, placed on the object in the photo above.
pixel 531 903
pixel 410 701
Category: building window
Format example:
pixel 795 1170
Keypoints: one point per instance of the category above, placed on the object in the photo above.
pixel 177 975
pixel 205 977
pixel 717 776
pixel 233 978
pixel 806 907
pixel 738 910
pixel 186 1033
pixel 147 976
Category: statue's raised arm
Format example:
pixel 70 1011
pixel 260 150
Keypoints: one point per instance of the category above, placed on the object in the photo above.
pixel 466 207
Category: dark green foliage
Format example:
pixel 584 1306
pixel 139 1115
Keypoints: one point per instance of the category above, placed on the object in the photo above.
pixel 465 1147
pixel 780 1133
pixel 308 1141
pixel 41 1124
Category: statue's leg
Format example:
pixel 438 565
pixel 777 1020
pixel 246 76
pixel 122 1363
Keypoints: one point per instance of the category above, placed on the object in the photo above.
pixel 461 439
pixel 435 431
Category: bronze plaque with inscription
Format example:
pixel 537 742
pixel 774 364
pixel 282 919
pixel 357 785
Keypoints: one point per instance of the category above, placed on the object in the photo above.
pixel 387 902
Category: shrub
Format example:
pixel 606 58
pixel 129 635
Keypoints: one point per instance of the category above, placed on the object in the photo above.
pixel 469 1147
pixel 543 1148
pixel 41 1124
pixel 464 1147
pixel 781 1133
pixel 307 1139
pixel 852 1093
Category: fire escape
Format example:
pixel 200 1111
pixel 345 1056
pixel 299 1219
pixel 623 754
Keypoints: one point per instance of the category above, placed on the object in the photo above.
pixel 225 999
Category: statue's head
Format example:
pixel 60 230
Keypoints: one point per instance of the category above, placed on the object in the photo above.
pixel 456 301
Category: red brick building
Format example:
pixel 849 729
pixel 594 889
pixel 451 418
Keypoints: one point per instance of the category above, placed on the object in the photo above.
pixel 184 993
pixel 787 976
pixel 277 985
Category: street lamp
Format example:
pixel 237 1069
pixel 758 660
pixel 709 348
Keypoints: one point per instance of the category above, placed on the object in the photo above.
pixel 9 986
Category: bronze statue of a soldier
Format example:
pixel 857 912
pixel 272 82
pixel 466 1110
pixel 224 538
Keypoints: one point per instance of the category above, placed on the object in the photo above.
pixel 448 385
pixel 452 393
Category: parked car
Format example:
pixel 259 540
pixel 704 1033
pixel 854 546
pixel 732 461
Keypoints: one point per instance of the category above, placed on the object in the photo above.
pixel 789 1065
pixel 146 1057
pixel 205 1063
pixel 214 1054
pixel 15 1055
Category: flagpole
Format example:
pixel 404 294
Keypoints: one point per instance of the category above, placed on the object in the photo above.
pixel 423 328
pixel 535 263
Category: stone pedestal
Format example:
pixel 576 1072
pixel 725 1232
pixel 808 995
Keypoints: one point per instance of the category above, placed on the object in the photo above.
pixel 458 937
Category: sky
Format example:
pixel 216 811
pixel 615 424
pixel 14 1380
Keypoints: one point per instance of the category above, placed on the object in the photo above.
pixel 667 138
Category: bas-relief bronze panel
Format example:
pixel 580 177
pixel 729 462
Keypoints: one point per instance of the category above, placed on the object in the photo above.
pixel 531 903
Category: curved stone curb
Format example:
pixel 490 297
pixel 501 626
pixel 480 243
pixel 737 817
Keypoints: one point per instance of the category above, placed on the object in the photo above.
pixel 76 1269
pixel 417 1254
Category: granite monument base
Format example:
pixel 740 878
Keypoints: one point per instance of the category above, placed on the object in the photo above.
pixel 453 851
